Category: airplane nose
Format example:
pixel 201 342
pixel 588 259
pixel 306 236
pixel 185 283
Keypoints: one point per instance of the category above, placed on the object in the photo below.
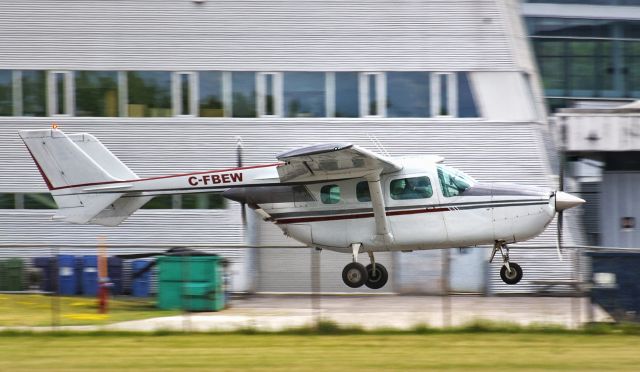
pixel 566 201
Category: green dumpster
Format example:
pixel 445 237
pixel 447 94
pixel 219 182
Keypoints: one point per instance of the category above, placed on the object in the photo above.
pixel 192 283
pixel 11 275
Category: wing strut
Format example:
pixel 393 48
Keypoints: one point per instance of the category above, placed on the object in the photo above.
pixel 383 232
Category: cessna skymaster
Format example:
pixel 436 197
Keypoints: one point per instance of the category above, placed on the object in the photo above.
pixel 336 196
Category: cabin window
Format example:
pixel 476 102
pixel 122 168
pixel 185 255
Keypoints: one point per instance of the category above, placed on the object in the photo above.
pixel 330 194
pixel 453 182
pixel 411 188
pixel 362 192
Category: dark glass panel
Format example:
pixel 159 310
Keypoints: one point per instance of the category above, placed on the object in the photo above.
pixel 39 201
pixel 34 90
pixel 210 94
pixel 408 94
pixel 243 86
pixel 6 93
pixel 96 93
pixel 304 94
pixel 347 94
pixel 466 103
pixel 149 93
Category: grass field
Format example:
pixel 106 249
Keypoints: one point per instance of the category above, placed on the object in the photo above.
pixel 444 351
pixel 35 310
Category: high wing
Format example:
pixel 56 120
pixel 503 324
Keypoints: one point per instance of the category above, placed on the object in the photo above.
pixel 329 161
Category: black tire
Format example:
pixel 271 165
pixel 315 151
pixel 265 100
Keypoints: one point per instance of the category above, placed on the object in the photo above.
pixel 514 277
pixel 354 275
pixel 379 279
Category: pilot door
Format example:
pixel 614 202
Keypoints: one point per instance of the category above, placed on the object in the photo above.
pixel 413 209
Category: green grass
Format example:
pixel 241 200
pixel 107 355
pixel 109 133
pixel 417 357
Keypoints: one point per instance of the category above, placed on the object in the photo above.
pixel 437 351
pixel 36 310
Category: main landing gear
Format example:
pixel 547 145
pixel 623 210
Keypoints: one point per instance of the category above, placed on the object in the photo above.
pixel 511 272
pixel 355 274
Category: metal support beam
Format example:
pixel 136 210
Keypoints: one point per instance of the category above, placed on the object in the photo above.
pixel 383 232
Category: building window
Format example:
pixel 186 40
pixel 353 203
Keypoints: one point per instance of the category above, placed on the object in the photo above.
pixel 330 194
pixel 184 83
pixel 346 95
pixel 187 201
pixel 408 94
pixel 27 201
pixel 269 88
pixel 466 103
pixel 6 93
pixel 202 201
pixel 149 93
pixel 362 192
pixel 96 93
pixel 210 94
pixel 34 100
pixel 243 94
pixel 632 64
pixel 304 94
pixel 372 94
pixel 411 188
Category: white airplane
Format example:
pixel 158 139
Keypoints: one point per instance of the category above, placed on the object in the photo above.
pixel 339 197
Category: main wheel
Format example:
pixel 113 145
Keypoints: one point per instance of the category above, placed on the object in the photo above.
pixel 378 279
pixel 354 275
pixel 512 277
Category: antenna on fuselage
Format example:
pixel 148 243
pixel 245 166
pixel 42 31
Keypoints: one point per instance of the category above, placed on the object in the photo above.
pixel 379 146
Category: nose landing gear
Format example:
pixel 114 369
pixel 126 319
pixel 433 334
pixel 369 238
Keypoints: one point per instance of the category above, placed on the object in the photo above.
pixel 354 275
pixel 511 272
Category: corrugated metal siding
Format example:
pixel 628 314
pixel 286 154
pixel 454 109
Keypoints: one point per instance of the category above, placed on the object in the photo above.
pixel 254 34
pixel 289 270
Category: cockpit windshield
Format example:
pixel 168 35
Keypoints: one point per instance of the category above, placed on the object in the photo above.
pixel 453 181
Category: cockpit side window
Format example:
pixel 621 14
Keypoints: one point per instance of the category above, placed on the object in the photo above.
pixel 453 182
pixel 362 192
pixel 411 188
pixel 330 194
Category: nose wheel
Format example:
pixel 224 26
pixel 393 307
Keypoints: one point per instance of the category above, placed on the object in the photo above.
pixel 510 272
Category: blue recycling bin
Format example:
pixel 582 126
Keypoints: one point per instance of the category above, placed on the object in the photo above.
pixel 90 275
pixel 140 286
pixel 115 275
pixel 67 280
pixel 48 267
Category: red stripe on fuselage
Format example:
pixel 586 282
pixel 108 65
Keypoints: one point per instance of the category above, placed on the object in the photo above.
pixel 44 176
pixel 356 216
pixel 163 177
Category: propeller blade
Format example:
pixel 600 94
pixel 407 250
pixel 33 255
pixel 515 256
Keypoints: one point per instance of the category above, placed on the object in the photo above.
pixel 133 256
pixel 559 236
pixel 141 272
pixel 560 189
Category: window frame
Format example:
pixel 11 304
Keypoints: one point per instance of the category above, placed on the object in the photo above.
pixel 380 94
pixel 261 94
pixel 452 94
pixel 176 93
pixel 52 90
